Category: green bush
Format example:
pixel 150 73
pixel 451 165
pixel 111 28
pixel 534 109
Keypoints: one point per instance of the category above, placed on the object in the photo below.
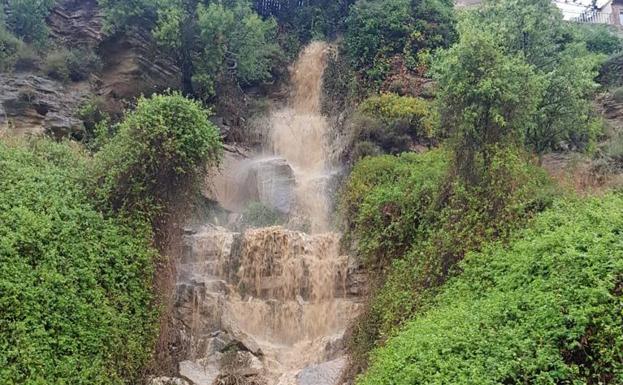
pixel 122 14
pixel 55 64
pixel 96 122
pixel 389 108
pixel 412 220
pixel 157 153
pixel 391 124
pixel 9 48
pixel 599 38
pixel 71 64
pixel 611 72
pixel 544 310
pixel 76 302
pixel 384 201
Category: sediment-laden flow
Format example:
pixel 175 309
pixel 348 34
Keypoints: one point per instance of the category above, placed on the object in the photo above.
pixel 270 305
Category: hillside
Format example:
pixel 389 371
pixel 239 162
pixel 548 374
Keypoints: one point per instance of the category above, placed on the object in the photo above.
pixel 316 192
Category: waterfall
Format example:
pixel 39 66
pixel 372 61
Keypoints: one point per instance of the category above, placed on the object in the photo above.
pixel 270 305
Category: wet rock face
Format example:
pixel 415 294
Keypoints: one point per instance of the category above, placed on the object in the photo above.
pixel 31 104
pixel 242 179
pixel 267 306
pixel 76 23
pixel 133 65
pixel 271 181
pixel 327 373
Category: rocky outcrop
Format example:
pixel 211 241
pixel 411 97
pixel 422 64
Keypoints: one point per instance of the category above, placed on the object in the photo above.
pixel 265 306
pixel 30 104
pixel 327 373
pixel 76 23
pixel 133 66
pixel 242 179
pixel 271 182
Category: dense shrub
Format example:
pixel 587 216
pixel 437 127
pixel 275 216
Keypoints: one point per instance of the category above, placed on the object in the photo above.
pixel 313 19
pixel 378 30
pixel 9 48
pixel 599 38
pixel 71 64
pixel 96 122
pixel 122 14
pixel 76 302
pixel 158 151
pixel 390 123
pixel 386 198
pixel 412 220
pixel 415 112
pixel 545 309
pixel 611 72
pixel 55 64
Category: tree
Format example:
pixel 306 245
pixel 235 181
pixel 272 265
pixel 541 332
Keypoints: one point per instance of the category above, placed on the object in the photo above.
pixel 176 30
pixel 307 20
pixel 121 14
pixel 487 98
pixel 536 31
pixel 213 41
pixel 26 19
pixel 237 40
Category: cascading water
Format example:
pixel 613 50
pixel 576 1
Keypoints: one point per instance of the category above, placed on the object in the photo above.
pixel 299 133
pixel 270 305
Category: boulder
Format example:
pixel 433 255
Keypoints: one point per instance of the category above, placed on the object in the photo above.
pixel 271 181
pixel 202 372
pixel 327 373
pixel 243 364
pixel 242 179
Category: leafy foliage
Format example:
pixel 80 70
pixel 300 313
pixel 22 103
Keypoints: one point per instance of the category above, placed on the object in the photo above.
pixel 308 20
pixel 245 42
pixel 157 152
pixel 412 221
pixel 556 67
pixel 215 40
pixel 545 309
pixel 71 64
pixel 379 30
pixel 26 19
pixel 76 303
pixel 121 14
pixel 9 49
pixel 611 72
pixel 487 97
pixel 600 38
pixel 389 123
